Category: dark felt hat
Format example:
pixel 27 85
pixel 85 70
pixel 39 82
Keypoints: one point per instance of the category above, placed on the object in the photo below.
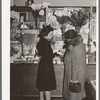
pixel 70 34
pixel 45 30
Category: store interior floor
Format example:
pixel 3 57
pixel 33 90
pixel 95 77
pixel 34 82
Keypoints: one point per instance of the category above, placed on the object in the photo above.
pixel 37 98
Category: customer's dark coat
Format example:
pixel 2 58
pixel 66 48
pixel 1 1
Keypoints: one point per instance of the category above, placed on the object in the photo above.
pixel 45 75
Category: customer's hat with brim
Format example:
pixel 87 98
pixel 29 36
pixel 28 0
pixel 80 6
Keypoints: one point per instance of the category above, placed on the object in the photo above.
pixel 45 30
pixel 70 34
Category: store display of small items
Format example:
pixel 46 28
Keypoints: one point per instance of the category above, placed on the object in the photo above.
pixel 58 48
pixel 29 54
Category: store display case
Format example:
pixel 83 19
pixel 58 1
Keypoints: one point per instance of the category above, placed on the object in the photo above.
pixel 24 35
pixel 86 26
pixel 23 25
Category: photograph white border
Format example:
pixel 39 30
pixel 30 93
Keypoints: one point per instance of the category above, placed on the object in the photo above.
pixel 6 50
pixel 97 55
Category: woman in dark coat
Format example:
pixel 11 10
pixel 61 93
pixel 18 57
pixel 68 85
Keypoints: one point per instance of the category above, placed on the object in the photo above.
pixel 75 65
pixel 45 76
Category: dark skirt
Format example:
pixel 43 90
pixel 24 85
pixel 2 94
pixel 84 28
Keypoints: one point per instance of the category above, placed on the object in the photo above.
pixel 46 76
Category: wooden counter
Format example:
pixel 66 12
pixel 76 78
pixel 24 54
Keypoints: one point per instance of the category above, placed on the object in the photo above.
pixel 23 79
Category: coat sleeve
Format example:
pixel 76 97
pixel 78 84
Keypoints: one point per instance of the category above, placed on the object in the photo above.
pixel 76 63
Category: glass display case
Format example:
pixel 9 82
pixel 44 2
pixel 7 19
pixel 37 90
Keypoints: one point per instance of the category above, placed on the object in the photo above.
pixel 24 35
pixel 86 27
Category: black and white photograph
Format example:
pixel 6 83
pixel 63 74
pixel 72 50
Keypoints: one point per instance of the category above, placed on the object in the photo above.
pixel 51 48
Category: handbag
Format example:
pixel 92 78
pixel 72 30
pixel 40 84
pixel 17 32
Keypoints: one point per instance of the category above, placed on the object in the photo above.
pixel 75 86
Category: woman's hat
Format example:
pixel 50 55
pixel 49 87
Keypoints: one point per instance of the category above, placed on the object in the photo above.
pixel 70 34
pixel 45 30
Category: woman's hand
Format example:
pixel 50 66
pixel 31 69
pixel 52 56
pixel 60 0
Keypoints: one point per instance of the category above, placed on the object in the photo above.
pixel 74 81
pixel 60 53
pixel 56 54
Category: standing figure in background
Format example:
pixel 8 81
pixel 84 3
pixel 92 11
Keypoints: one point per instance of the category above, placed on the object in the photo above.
pixel 75 65
pixel 46 81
